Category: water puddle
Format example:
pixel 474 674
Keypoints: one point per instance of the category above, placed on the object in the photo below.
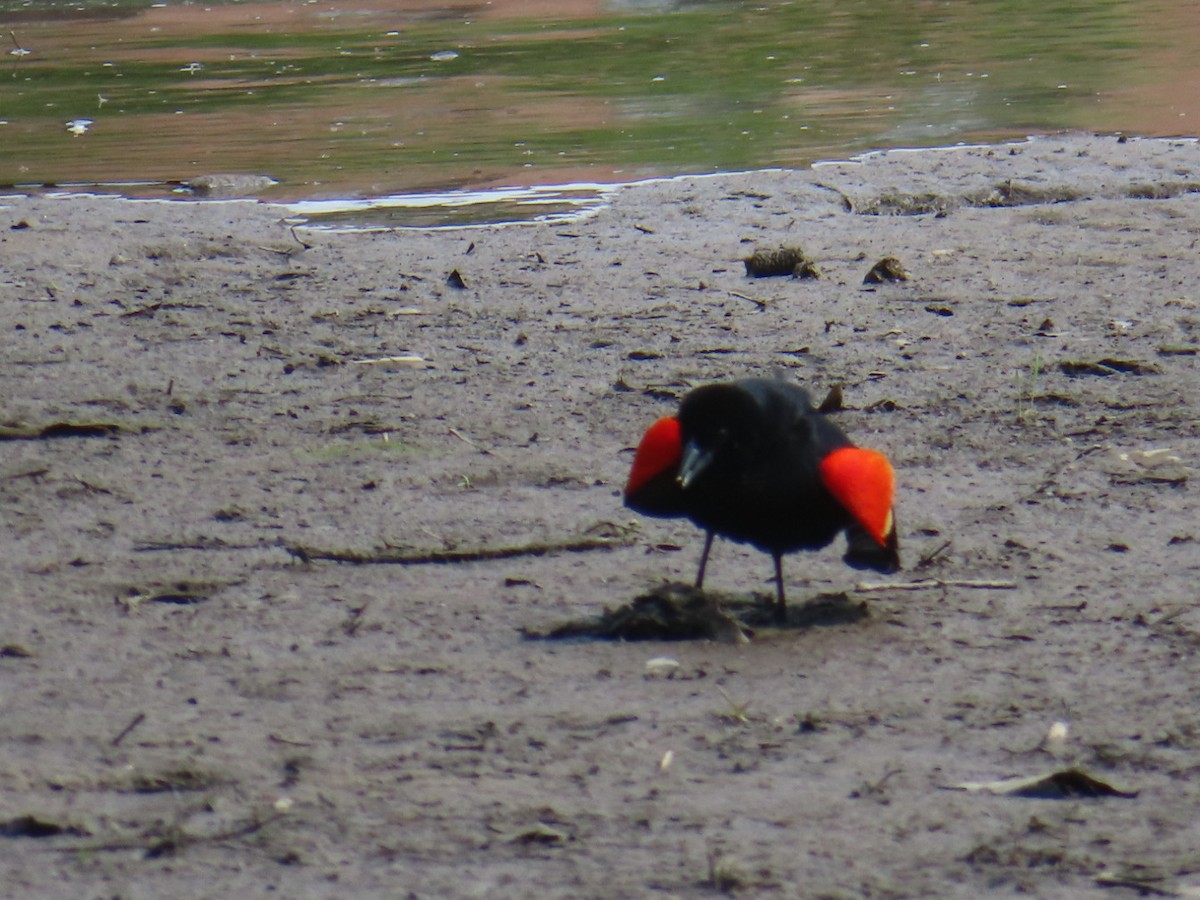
pixel 455 209
pixel 446 209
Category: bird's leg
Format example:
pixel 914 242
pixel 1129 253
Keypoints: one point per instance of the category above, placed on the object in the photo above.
pixel 780 602
pixel 708 539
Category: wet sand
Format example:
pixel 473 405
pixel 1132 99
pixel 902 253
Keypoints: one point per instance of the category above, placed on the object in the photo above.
pixel 198 413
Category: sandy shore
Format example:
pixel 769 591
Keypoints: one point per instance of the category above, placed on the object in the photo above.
pixel 191 710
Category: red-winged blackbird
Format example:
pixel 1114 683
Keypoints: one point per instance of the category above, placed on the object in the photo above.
pixel 755 462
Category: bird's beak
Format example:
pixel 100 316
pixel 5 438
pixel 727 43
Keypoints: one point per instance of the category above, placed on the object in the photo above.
pixel 695 460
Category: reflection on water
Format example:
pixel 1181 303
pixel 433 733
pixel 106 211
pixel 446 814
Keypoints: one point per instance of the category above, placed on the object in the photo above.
pixel 359 98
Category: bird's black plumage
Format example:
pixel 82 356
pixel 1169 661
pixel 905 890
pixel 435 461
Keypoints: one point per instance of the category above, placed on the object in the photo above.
pixel 749 469
pixel 762 442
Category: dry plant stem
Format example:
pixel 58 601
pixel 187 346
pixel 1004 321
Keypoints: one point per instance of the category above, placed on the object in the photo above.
pixel 35 474
pixel 169 842
pixel 197 544
pixel 930 584
pixel 288 251
pixel 761 304
pixel 466 440
pixel 928 559
pixel 124 733
pixel 478 554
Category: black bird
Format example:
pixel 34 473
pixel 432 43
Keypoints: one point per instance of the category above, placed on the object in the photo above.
pixel 755 462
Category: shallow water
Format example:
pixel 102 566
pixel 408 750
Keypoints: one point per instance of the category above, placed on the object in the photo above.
pixel 360 99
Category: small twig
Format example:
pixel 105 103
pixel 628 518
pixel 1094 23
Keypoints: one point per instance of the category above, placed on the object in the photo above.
pixel 276 739
pixel 928 559
pixel 431 533
pixel 478 554
pixel 1143 884
pixel 929 584
pixel 254 826
pixel 761 304
pixel 737 712
pixel 847 203
pixel 91 488
pixel 303 244
pixel 1168 618
pixel 200 543
pixel 466 440
pixel 147 310
pixel 287 251
pixel 137 720
pixel 34 474
pixel 158 306
pixel 409 361
pixel 870 788
pixel 175 839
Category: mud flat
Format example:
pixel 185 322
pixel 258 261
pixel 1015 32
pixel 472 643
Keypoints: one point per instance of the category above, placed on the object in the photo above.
pixel 275 517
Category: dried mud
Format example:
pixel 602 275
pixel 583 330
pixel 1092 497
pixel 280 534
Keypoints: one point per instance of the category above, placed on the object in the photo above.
pixel 193 708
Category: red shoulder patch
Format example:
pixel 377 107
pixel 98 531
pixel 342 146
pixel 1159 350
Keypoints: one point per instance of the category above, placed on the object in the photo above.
pixel 660 450
pixel 864 483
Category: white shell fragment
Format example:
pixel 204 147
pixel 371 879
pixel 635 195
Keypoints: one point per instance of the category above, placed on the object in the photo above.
pixel 661 667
